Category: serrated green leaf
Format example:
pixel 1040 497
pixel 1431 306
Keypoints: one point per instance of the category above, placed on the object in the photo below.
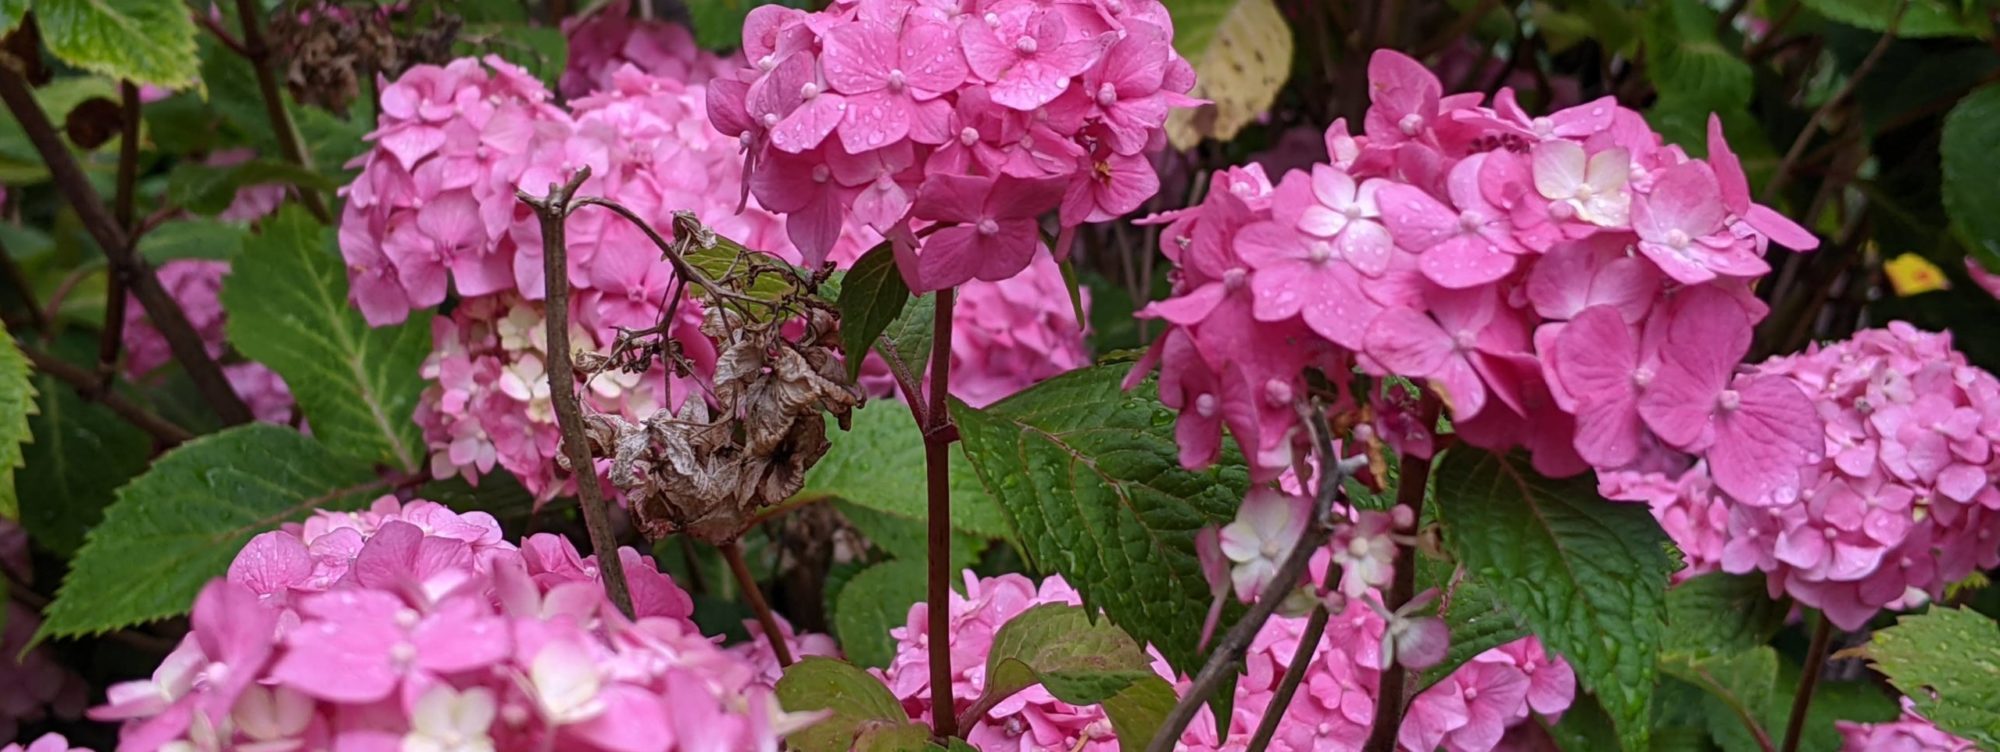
pixel 1947 660
pixel 1584 727
pixel 878 463
pixel 198 238
pixel 873 601
pixel 1688 63
pixel 1586 575
pixel 1091 481
pixel 872 295
pixel 859 704
pixel 771 278
pixel 1970 155
pixel 17 403
pixel 82 453
pixel 1925 18
pixel 1080 662
pixel 1478 623
pixel 1738 686
pixel 540 50
pixel 910 334
pixel 287 305
pixel 181 523
pixel 1720 613
pixel 145 41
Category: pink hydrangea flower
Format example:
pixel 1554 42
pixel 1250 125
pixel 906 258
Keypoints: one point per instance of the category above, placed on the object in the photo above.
pixel 197 285
pixel 51 742
pixel 1909 732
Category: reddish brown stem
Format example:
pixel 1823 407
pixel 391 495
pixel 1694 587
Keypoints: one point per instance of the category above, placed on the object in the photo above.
pixel 733 552
pixel 258 53
pixel 938 435
pixel 112 338
pixel 1411 479
pixel 161 308
pixel 85 383
pixel 1822 641
pixel 553 211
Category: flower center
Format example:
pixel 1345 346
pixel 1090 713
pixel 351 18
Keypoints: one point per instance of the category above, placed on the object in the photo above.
pixel 1107 95
pixel 897 81
pixel 1277 393
pixel 968 136
pixel 1319 252
pixel 821 173
pixel 884 182
pixel 1464 340
pixel 1026 45
pixel 766 63
pixel 1204 405
pixel 1544 126
pixel 407 617
pixel 1642 376
pixel 402 653
pixel 1357 547
pixel 988 227
pixel 770 119
pixel 809 90
pixel 1678 238
pixel 1232 280
pixel 1410 124
pixel 1353 211
pixel 1729 400
pixel 1470 220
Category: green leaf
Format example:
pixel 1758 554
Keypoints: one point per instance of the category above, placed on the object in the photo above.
pixel 1584 727
pixel 146 41
pixel 1925 18
pixel 541 50
pixel 288 309
pixel 859 705
pixel 208 190
pixel 909 336
pixel 198 238
pixel 181 523
pixel 1947 660
pixel 1739 686
pixel 1721 613
pixel 875 600
pixel 1688 63
pixel 871 297
pixel 718 24
pixel 1478 623
pixel 907 537
pixel 1586 575
pixel 11 13
pixel 1241 51
pixel 878 463
pixel 17 402
pixel 1970 154
pixel 1091 480
pixel 773 279
pixel 82 453
pixel 1080 662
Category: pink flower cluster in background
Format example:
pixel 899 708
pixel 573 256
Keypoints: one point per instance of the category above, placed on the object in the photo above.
pixel 961 122
pixel 408 626
pixel 1903 504
pixel 609 38
pixel 1468 711
pixel 1568 283
pixel 34 684
pixel 197 285
pixel 1006 336
pixel 1911 733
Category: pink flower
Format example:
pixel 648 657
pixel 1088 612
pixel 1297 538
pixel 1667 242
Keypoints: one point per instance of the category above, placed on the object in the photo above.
pixel 50 742
pixel 893 81
pixel 992 235
pixel 1462 352
pixel 1268 525
pixel 1027 55
pixel 1467 244
pixel 1910 732
pixel 1680 227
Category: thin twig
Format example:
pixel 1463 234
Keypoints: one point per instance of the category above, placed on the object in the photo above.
pixel 1229 652
pixel 85 383
pixel 733 552
pixel 112 337
pixel 19 280
pixel 1452 33
pixel 1301 659
pixel 161 308
pixel 1822 640
pixel 1783 174
pixel 214 27
pixel 1769 43
pixel 668 250
pixel 938 435
pixel 1411 479
pixel 258 53
pixel 553 210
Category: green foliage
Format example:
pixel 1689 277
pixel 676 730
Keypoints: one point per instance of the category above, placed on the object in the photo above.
pixel 1948 661
pixel 146 41
pixel 1688 62
pixel 1721 613
pixel 1924 18
pixel 17 403
pixel 872 296
pixel 907 537
pixel 208 190
pixel 1588 577
pixel 540 50
pixel 1478 622
pixel 199 238
pixel 909 336
pixel 181 523
pixel 873 601
pixel 862 710
pixel 1093 488
pixel 1079 662
pixel 82 453
pixel 1971 157
pixel 1738 686
pixel 879 464
pixel 288 309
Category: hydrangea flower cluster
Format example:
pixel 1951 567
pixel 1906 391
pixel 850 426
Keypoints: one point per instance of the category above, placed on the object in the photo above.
pixel 196 284
pixel 1909 732
pixel 1006 336
pixel 962 121
pixel 34 684
pixel 51 742
pixel 1904 502
pixel 610 38
pixel 1466 712
pixel 1568 283
pixel 409 626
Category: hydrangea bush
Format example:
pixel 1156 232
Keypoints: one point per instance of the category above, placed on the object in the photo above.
pixel 1075 375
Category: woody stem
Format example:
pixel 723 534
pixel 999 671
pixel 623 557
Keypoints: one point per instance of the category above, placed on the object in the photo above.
pixel 1411 479
pixel 938 435
pixel 733 552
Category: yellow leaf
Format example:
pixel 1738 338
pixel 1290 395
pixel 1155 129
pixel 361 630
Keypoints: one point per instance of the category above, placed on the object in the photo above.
pixel 1911 274
pixel 1239 72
